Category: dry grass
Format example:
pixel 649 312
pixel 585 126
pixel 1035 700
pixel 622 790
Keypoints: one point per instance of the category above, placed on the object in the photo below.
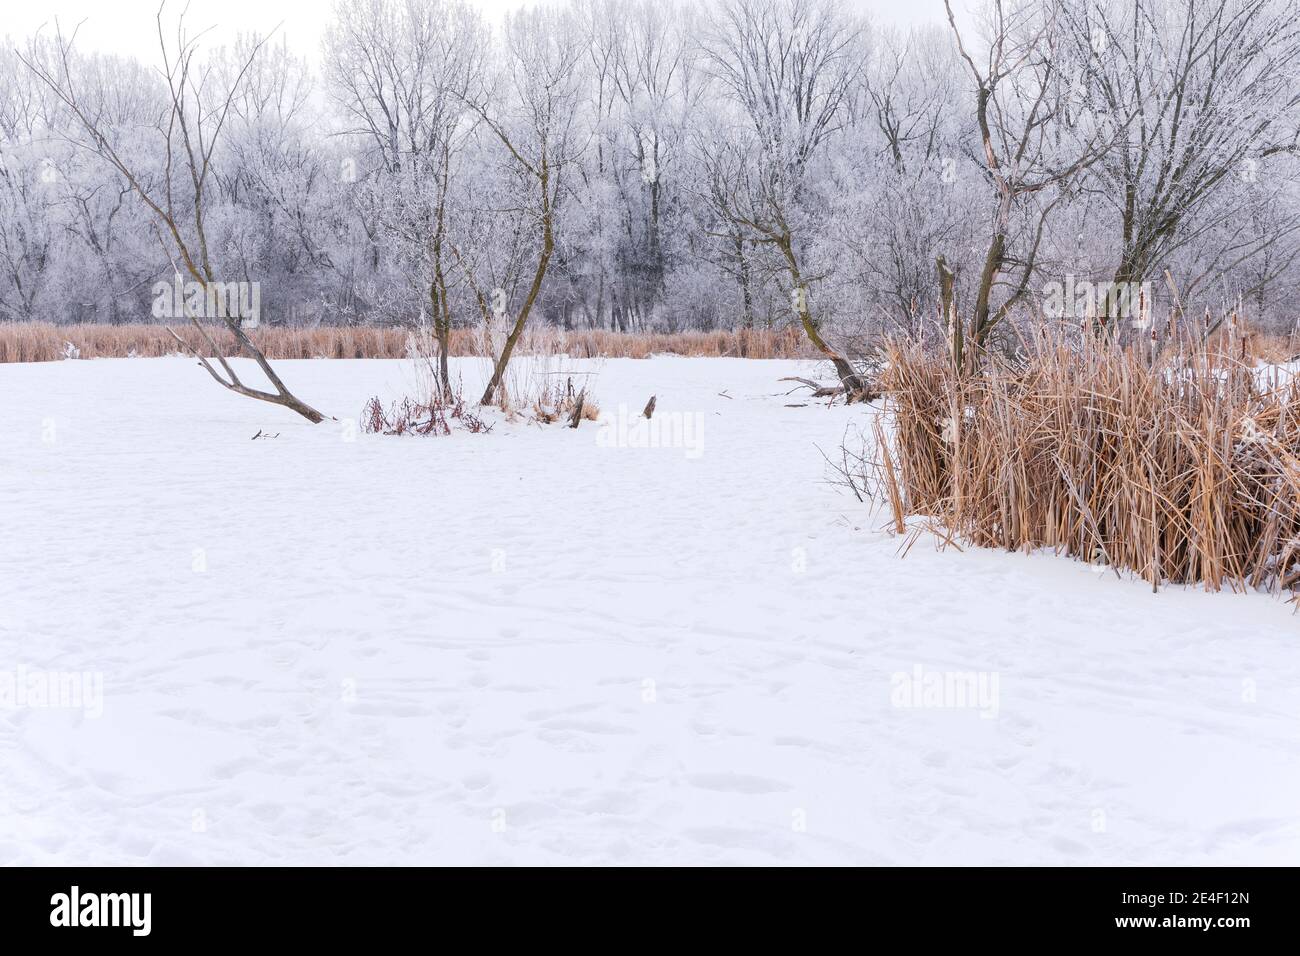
pixel 546 389
pixel 42 342
pixel 543 389
pixel 1183 467
pixel 559 399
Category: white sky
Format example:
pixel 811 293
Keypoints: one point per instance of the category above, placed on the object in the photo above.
pixel 127 26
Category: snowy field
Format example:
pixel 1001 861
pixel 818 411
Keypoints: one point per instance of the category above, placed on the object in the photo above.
pixel 539 646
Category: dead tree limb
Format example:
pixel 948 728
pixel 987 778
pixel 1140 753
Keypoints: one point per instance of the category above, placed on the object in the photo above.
pixel 864 394
pixel 819 390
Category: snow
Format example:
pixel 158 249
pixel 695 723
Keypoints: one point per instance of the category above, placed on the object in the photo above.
pixel 542 646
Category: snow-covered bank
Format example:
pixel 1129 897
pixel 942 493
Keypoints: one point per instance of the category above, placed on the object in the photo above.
pixel 541 646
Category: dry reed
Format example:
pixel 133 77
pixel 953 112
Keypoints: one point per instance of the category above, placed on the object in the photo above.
pixel 43 342
pixel 1181 466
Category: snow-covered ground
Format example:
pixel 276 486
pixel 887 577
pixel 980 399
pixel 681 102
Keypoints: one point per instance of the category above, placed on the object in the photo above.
pixel 544 646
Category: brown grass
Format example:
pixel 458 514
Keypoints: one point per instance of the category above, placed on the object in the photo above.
pixel 1183 467
pixel 559 398
pixel 43 342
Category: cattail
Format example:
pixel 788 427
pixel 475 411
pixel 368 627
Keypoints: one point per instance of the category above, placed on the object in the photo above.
pixel 1104 451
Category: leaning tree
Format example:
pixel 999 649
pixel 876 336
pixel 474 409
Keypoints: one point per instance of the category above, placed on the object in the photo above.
pixel 536 128
pixel 187 128
pixel 790 71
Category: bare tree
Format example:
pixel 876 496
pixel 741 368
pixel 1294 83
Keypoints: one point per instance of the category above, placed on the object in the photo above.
pixel 1215 95
pixel 792 69
pixel 1028 156
pixel 189 127
pixel 537 131
pixel 402 71
pixel 276 173
pixel 910 192
pixel 648 165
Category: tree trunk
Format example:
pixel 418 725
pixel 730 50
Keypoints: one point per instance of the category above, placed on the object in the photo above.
pixel 948 310
pixel 498 370
pixel 442 333
pixel 746 296
pixel 983 323
pixel 854 386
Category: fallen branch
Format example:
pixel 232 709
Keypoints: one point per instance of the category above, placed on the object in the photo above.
pixel 819 390
pixel 830 391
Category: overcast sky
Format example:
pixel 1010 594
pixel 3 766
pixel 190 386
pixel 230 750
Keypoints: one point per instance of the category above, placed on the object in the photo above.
pixel 127 27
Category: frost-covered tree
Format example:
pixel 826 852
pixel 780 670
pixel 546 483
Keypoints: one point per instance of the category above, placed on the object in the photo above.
pixel 405 74
pixel 636 165
pixel 535 120
pixel 790 72
pixel 1212 96
pixel 174 180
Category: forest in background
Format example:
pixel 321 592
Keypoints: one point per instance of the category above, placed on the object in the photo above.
pixel 636 166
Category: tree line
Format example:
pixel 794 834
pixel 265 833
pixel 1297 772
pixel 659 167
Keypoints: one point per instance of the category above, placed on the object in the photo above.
pixel 637 165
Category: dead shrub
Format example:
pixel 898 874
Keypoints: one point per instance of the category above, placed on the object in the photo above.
pixel 438 416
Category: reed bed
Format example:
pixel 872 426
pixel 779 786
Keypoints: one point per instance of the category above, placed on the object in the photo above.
pixel 1182 466
pixel 44 342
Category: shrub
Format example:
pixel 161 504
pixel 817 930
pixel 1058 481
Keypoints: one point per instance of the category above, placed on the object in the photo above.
pixel 437 415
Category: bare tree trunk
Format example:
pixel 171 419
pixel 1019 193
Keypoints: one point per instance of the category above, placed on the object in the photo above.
pixel 854 387
pixel 282 395
pixel 948 310
pixel 499 369
pixel 993 260
pixel 746 295
pixel 441 332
